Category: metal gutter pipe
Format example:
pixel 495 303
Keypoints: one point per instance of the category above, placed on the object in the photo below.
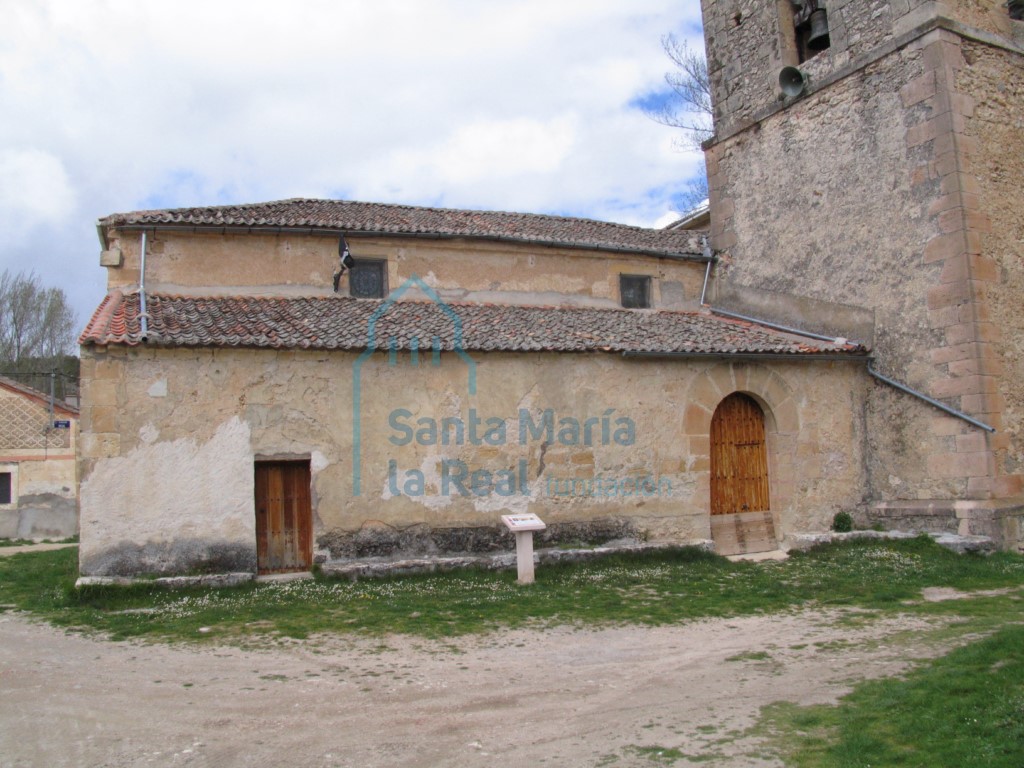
pixel 143 314
pixel 753 356
pixel 708 254
pixel 930 400
pixel 777 327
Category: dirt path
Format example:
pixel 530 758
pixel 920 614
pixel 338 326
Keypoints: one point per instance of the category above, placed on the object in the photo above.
pixel 559 697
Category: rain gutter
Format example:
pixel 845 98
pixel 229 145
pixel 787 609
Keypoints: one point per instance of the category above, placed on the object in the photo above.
pixel 834 340
pixel 930 400
pixel 792 356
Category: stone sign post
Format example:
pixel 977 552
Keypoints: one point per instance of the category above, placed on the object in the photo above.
pixel 523 527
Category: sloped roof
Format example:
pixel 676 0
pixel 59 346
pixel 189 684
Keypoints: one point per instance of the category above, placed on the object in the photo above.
pixel 40 398
pixel 342 323
pixel 353 218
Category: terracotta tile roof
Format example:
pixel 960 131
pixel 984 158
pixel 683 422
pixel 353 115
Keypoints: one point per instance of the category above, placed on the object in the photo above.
pixel 354 218
pixel 341 323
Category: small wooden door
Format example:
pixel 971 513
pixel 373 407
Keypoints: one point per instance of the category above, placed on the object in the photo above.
pixel 741 519
pixel 284 517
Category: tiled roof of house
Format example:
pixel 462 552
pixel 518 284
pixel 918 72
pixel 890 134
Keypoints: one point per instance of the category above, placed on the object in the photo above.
pixel 341 323
pixel 34 394
pixel 353 218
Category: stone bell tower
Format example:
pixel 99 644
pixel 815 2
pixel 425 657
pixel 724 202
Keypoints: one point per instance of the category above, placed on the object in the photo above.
pixel 885 182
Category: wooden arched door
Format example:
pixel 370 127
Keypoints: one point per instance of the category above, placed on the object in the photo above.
pixel 741 518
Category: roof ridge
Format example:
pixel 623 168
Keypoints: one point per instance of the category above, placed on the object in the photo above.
pixel 402 219
pixel 403 206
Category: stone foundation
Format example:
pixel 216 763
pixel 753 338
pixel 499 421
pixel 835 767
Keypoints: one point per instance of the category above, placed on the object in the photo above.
pixel 381 540
pixel 1000 520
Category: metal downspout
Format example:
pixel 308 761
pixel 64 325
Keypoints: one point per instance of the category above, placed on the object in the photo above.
pixel 930 400
pixel 143 314
pixel 777 327
pixel 710 256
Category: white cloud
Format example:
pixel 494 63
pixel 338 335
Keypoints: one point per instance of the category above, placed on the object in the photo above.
pixel 114 105
pixel 35 191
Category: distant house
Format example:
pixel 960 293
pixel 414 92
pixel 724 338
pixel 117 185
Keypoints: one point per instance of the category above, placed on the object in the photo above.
pixel 38 472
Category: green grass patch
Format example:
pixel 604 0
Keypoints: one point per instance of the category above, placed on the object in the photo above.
pixel 26 542
pixel 964 709
pixel 648 589
pixel 750 656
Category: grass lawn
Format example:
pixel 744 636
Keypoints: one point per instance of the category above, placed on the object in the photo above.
pixel 651 588
pixel 964 709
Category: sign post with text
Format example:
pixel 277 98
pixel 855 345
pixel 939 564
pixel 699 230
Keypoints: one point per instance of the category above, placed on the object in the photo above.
pixel 523 527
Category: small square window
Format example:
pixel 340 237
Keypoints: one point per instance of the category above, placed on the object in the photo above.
pixel 5 488
pixel 368 279
pixel 635 291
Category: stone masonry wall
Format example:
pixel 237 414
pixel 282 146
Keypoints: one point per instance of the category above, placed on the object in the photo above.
pixel 749 41
pixel 167 483
pixel 864 192
pixel 993 142
pixel 458 270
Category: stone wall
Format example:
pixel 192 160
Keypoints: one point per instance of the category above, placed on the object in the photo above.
pixel 459 270
pixel 749 41
pixel 993 142
pixel 596 445
pixel 863 192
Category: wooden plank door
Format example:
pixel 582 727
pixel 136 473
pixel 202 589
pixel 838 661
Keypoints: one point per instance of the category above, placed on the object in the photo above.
pixel 284 517
pixel 741 519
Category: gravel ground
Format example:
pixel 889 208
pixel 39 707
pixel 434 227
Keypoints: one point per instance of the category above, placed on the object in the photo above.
pixel 559 697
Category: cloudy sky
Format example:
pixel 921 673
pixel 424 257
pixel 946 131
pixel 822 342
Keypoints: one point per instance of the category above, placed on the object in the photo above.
pixel 524 105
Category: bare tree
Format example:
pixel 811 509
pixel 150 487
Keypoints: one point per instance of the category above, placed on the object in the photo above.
pixel 696 194
pixel 35 322
pixel 690 106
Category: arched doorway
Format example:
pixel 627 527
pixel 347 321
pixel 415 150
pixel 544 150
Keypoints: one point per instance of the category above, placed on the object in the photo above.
pixel 741 518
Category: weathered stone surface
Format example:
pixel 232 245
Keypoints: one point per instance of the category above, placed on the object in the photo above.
pixel 184 463
pixel 214 580
pixel 381 568
pixel 892 184
pixel 180 555
pixel 378 540
pixel 955 542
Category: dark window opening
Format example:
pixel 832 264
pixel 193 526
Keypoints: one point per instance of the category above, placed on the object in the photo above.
pixel 635 291
pixel 1016 9
pixel 368 279
pixel 5 488
pixel 810 23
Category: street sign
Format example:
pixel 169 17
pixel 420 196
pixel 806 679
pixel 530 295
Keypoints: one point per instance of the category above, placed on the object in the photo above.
pixel 62 424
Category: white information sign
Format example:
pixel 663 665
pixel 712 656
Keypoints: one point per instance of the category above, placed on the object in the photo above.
pixel 523 522
pixel 523 527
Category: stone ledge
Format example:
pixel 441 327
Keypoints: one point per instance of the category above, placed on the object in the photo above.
pixel 801 542
pixel 385 567
pixel 168 582
pixel 379 568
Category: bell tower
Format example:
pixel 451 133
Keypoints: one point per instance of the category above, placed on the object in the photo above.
pixel 868 161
